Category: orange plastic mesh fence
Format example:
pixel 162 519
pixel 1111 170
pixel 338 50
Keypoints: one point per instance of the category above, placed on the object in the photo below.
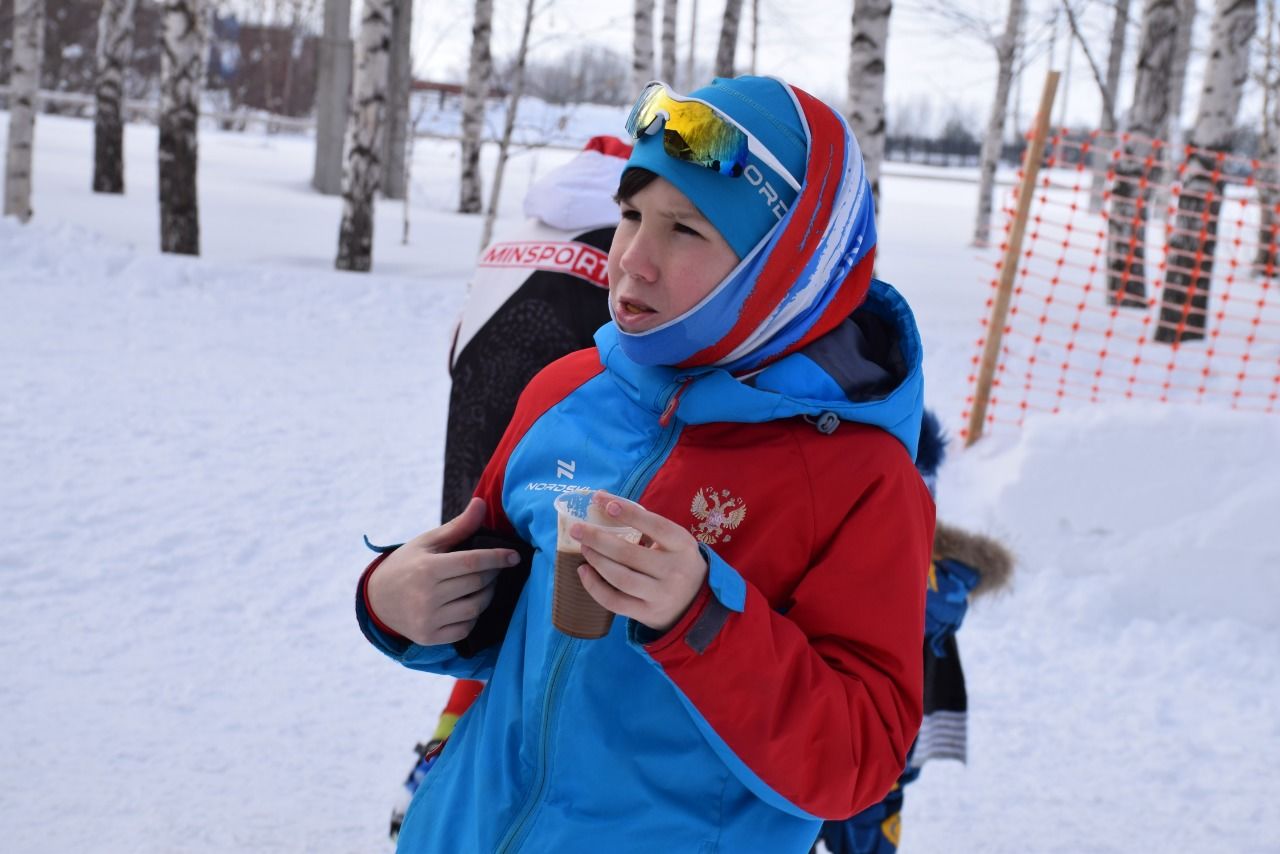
pixel 1167 291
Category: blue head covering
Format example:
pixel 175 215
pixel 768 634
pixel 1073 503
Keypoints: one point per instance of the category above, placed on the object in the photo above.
pixel 806 258
pixel 746 208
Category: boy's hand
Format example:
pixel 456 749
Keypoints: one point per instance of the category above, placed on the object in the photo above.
pixel 654 582
pixel 430 595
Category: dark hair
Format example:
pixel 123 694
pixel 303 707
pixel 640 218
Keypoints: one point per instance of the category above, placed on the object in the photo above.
pixel 634 179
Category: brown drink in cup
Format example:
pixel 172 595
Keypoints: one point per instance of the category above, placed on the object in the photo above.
pixel 573 611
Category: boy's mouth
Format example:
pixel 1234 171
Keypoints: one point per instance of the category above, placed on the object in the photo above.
pixel 632 314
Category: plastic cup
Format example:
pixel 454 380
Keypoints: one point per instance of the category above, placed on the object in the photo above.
pixel 573 611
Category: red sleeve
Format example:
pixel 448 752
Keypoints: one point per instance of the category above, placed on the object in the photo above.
pixel 816 708
pixel 550 386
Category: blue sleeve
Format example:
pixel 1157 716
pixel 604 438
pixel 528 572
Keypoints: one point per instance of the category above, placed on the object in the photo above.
pixel 438 658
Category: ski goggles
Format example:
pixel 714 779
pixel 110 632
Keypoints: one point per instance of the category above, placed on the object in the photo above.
pixel 698 133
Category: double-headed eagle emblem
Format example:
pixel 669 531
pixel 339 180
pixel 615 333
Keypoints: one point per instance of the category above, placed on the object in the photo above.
pixel 717 513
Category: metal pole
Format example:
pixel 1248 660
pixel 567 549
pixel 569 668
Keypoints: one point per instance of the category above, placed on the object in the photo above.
pixel 1009 268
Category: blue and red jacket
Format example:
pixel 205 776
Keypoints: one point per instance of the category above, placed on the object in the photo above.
pixel 789 693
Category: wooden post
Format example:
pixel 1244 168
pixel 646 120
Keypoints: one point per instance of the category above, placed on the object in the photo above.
pixel 1009 268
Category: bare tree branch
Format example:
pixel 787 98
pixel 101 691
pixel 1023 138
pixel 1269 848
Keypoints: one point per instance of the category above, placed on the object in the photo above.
pixel 1107 102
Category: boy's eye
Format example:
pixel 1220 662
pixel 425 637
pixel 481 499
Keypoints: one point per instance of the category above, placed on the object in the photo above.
pixel 631 214
pixel 684 229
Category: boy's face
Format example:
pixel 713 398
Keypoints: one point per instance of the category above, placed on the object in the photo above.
pixel 666 256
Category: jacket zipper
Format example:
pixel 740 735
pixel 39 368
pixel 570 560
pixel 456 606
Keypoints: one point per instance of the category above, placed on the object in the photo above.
pixel 567 646
pixel 631 488
pixel 643 473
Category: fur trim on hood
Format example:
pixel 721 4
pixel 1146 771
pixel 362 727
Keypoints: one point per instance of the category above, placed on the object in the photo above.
pixel 987 556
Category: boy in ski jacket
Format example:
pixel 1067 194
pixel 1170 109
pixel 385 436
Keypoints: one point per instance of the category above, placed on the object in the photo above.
pixel 539 292
pixel 753 410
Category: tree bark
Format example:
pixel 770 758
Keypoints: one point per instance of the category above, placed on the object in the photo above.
pixel 365 143
pixel 333 96
pixel 1130 193
pixel 867 46
pixel 689 70
pixel 24 80
pixel 1184 302
pixel 115 43
pixel 399 87
pixel 642 44
pixel 728 38
pixel 1172 131
pixel 669 9
pixel 473 104
pixel 185 32
pixel 1109 121
pixel 508 125
pixel 1006 51
pixel 1265 261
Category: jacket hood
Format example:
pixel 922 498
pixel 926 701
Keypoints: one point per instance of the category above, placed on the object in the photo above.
pixel 579 194
pixel 867 371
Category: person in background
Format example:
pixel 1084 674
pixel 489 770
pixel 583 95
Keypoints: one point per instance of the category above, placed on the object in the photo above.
pixel 965 566
pixel 539 292
pixel 753 411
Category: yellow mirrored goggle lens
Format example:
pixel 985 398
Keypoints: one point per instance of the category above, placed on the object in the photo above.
pixel 692 131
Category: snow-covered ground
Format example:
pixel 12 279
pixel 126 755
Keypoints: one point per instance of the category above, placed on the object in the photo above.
pixel 190 450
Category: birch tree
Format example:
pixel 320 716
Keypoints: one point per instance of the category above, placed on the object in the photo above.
pixel 728 38
pixel 669 9
pixel 1265 261
pixel 399 87
pixel 115 43
pixel 1006 48
pixel 1184 301
pixel 184 43
pixel 641 44
pixel 473 104
pixel 508 125
pixel 1172 131
pixel 1127 218
pixel 24 82
pixel 365 128
pixel 689 70
pixel 1109 89
pixel 867 46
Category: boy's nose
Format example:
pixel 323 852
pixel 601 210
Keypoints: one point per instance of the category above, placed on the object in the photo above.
pixel 638 261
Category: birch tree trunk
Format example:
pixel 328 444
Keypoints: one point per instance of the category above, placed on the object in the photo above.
pixel 1178 74
pixel 1109 120
pixel 1006 51
pixel 1172 131
pixel 333 96
pixel 184 37
pixel 365 128
pixel 642 44
pixel 867 46
pixel 504 146
pixel 115 43
pixel 1127 218
pixel 473 103
pixel 1265 260
pixel 24 80
pixel 399 86
pixel 755 33
pixel 689 83
pixel 1184 302
pixel 728 38
pixel 669 9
